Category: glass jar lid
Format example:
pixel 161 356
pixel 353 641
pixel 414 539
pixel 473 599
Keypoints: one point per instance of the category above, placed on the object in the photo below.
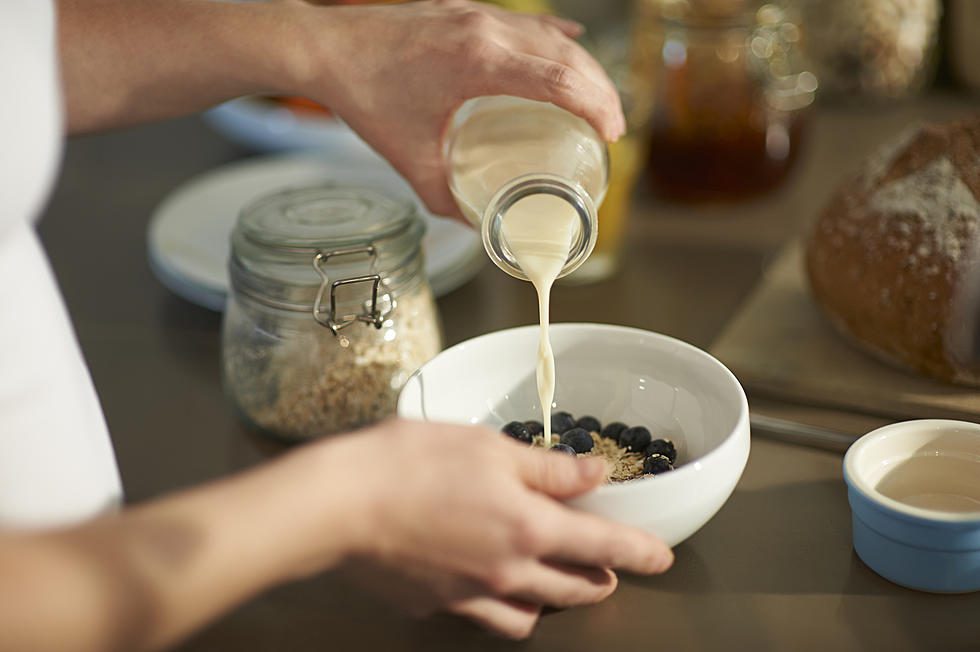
pixel 324 216
pixel 294 248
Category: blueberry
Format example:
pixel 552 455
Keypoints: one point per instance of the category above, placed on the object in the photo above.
pixel 635 439
pixel 563 448
pixel 657 464
pixel 534 427
pixel 589 423
pixel 517 430
pixel 579 439
pixel 663 447
pixel 561 421
pixel 613 430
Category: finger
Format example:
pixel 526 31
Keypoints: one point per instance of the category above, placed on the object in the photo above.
pixel 438 199
pixel 557 47
pixel 587 540
pixel 420 162
pixel 541 79
pixel 431 184
pixel 570 28
pixel 563 585
pixel 559 476
pixel 573 54
pixel 505 617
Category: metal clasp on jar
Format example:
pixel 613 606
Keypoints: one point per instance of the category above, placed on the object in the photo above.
pixel 330 319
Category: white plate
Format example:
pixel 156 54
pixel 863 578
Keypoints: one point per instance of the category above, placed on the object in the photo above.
pixel 188 235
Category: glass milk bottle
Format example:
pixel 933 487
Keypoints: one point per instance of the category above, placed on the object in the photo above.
pixel 505 150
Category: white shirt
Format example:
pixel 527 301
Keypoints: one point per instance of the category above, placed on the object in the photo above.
pixel 56 460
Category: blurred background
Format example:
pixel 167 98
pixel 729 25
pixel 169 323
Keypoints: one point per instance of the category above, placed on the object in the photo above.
pixel 717 92
pixel 745 117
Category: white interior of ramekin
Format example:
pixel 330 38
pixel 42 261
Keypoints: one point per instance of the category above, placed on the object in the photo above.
pixel 872 456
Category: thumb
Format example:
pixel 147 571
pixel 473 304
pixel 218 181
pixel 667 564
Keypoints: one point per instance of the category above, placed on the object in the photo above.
pixel 432 187
pixel 559 475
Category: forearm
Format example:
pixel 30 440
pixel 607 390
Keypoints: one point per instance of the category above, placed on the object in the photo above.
pixel 130 61
pixel 146 578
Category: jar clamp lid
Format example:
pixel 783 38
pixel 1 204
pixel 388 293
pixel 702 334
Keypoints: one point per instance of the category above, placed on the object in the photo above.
pixel 290 248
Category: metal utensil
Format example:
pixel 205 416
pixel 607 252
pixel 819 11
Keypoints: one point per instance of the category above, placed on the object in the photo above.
pixel 800 433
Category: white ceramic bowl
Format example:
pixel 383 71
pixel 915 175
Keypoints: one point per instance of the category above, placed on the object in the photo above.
pixel 615 374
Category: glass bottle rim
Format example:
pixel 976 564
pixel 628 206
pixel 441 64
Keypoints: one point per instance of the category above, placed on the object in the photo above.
pixel 524 186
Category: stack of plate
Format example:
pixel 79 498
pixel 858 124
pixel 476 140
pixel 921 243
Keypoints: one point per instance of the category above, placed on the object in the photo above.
pixel 189 234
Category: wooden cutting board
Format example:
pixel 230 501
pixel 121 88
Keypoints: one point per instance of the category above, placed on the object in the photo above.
pixel 780 346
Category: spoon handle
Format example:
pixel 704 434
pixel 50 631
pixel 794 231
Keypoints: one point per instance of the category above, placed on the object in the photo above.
pixel 800 433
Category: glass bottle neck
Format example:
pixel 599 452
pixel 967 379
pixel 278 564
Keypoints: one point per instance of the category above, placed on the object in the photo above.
pixel 522 187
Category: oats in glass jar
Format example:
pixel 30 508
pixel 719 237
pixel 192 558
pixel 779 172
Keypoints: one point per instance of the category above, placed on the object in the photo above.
pixel 330 311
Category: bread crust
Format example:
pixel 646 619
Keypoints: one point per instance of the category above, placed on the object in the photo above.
pixel 888 256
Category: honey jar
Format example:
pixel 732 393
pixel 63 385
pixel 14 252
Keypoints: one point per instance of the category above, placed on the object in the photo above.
pixel 728 94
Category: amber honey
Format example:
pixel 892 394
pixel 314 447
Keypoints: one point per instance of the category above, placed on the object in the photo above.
pixel 707 164
pixel 727 95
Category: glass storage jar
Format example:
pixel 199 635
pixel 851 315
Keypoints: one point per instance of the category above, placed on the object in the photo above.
pixel 329 311
pixel 728 91
pixel 503 149
pixel 873 49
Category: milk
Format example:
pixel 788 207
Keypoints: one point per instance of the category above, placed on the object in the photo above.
pixel 539 230
pixel 503 138
pixel 501 144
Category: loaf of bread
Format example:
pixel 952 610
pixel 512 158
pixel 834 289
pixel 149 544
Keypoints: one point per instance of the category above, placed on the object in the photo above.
pixel 893 259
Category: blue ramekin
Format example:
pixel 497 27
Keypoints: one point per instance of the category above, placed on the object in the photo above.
pixel 918 548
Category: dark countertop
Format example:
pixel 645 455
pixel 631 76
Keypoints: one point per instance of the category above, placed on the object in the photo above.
pixel 773 570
